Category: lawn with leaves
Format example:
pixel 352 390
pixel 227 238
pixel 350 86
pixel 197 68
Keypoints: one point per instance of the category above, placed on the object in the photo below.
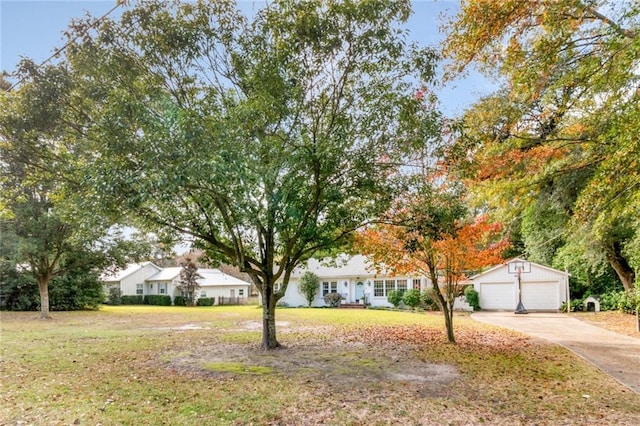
pixel 611 320
pixel 168 365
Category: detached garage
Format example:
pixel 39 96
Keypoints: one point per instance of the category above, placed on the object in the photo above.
pixel 540 287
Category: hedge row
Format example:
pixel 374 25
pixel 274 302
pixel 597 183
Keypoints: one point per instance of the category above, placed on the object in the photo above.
pixel 132 300
pixel 179 301
pixel 160 300
pixel 157 299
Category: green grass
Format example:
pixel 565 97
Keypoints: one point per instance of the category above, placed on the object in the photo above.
pixel 237 368
pixel 203 365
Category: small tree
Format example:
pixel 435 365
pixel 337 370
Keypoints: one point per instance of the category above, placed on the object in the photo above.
pixel 437 242
pixel 308 287
pixel 189 281
pixel 115 296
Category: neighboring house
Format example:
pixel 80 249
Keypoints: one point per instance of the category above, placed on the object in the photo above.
pixel 542 288
pixel 132 279
pixel 217 284
pixel 147 278
pixel 164 282
pixel 352 277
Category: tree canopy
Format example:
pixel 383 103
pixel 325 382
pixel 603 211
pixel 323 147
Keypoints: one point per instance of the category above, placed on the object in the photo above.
pixel 555 151
pixel 267 138
pixel 432 233
pixel 51 238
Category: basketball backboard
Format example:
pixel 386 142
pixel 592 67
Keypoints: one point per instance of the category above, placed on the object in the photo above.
pixel 519 267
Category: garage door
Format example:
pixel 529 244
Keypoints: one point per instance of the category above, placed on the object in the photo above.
pixel 540 296
pixel 497 296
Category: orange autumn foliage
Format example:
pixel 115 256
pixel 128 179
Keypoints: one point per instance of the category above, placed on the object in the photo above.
pixel 402 251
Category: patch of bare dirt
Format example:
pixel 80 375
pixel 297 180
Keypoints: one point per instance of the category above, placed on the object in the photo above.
pixel 340 364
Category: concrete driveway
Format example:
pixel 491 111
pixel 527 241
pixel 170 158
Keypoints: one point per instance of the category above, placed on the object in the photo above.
pixel 613 353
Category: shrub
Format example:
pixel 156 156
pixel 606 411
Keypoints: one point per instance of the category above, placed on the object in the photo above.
pixel 575 305
pixel 333 299
pixel 394 297
pixel 472 297
pixel 623 301
pixel 429 301
pixel 132 300
pixel 179 301
pixel 75 290
pixel 157 299
pixel 18 291
pixel 115 296
pixel 206 301
pixel 411 298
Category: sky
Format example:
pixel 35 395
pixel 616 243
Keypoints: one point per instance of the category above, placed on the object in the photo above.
pixel 34 29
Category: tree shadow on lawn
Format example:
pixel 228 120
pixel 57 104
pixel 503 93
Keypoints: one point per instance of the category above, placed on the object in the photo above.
pixel 315 355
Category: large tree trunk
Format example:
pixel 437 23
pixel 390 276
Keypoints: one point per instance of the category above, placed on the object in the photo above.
pixel 43 285
pixel 269 301
pixel 619 263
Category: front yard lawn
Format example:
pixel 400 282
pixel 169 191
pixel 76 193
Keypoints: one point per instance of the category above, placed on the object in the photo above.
pixel 172 365
pixel 611 320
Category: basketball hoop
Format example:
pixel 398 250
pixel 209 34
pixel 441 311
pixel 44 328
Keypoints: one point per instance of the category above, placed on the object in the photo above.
pixel 519 267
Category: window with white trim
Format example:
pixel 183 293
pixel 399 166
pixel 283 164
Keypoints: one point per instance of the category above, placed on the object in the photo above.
pixel 329 287
pixel 401 286
pixel 417 283
pixel 241 292
pixel 378 288
pixel 389 286
pixel 139 288
pixel 203 294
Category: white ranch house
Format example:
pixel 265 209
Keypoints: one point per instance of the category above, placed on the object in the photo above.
pixel 148 279
pixel 356 280
pixel 542 289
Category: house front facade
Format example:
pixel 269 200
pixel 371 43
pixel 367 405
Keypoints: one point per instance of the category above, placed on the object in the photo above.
pixel 354 278
pixel 131 280
pixel 215 283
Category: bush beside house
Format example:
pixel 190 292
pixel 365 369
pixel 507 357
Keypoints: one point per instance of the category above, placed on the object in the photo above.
pixel 132 299
pixel 157 299
pixel 206 301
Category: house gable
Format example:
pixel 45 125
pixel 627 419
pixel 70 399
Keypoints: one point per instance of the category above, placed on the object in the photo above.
pixel 542 289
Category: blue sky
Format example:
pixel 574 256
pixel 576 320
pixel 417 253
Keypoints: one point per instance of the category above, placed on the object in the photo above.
pixel 33 28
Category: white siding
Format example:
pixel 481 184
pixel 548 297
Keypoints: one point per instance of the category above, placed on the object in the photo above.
pixel 128 283
pixel 224 291
pixel 543 289
pixel 292 296
pixel 497 296
pixel 539 296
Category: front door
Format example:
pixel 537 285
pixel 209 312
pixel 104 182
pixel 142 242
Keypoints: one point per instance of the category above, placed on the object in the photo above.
pixel 359 292
pixel 233 293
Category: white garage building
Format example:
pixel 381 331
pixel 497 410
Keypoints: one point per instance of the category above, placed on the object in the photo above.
pixel 541 288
